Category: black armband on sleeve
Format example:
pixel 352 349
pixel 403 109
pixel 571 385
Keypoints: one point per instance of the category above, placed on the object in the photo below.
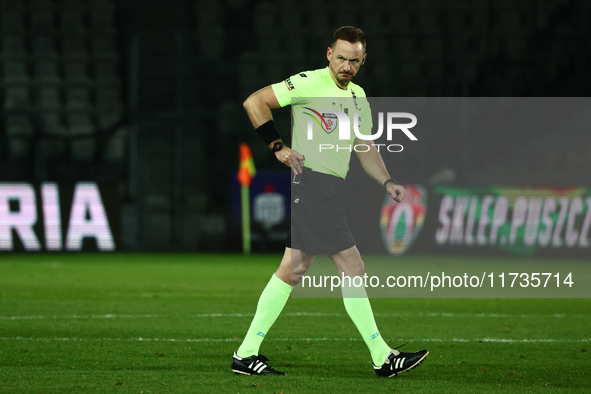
pixel 268 132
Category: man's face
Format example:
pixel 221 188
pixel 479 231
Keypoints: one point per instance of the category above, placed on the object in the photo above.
pixel 345 59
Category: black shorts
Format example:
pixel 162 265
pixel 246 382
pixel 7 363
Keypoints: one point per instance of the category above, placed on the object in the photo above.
pixel 318 222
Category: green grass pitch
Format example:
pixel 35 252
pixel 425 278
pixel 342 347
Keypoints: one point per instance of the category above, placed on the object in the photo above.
pixel 164 323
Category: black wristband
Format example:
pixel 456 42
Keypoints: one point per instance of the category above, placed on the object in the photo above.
pixel 389 181
pixel 268 132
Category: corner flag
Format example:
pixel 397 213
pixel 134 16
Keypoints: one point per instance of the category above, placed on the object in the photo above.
pixel 245 174
pixel 246 171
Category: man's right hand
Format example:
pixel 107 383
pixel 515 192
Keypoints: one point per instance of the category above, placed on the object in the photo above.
pixel 284 155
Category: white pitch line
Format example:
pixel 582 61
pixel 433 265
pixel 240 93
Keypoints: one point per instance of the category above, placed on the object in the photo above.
pixel 312 314
pixel 192 340
pixel 108 316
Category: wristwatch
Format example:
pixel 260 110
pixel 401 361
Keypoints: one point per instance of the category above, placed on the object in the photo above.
pixel 391 180
pixel 277 147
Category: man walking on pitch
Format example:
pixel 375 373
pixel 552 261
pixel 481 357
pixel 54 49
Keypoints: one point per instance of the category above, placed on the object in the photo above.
pixel 319 225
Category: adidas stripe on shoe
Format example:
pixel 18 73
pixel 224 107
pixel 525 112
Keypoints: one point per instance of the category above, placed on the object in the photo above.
pixel 253 365
pixel 400 362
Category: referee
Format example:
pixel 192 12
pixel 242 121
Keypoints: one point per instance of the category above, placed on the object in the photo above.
pixel 319 225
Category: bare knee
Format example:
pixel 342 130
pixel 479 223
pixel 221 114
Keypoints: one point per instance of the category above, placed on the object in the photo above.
pixel 284 270
pixel 294 265
pixel 349 262
pixel 298 271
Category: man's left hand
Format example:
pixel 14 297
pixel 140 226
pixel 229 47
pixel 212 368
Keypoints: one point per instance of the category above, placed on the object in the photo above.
pixel 396 192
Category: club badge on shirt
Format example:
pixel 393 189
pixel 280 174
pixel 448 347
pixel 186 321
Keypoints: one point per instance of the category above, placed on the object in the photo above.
pixel 330 122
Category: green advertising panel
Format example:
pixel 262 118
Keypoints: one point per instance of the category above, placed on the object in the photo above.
pixel 520 220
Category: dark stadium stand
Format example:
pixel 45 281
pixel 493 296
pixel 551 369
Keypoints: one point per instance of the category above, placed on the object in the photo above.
pixel 60 74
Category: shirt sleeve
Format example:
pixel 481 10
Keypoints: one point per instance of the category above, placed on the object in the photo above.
pixel 298 85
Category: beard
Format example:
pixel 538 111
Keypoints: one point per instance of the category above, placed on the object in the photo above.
pixel 346 75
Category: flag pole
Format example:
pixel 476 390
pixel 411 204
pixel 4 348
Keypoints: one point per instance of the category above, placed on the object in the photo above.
pixel 246 219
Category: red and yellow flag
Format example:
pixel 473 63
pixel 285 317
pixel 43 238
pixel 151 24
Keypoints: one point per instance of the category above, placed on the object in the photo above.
pixel 246 171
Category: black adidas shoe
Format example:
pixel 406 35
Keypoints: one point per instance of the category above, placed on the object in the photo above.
pixel 401 362
pixel 253 365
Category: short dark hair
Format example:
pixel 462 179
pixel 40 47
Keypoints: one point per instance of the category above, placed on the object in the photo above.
pixel 350 34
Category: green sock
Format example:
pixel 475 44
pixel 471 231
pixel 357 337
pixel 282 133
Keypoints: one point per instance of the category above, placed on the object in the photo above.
pixel 359 310
pixel 270 305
